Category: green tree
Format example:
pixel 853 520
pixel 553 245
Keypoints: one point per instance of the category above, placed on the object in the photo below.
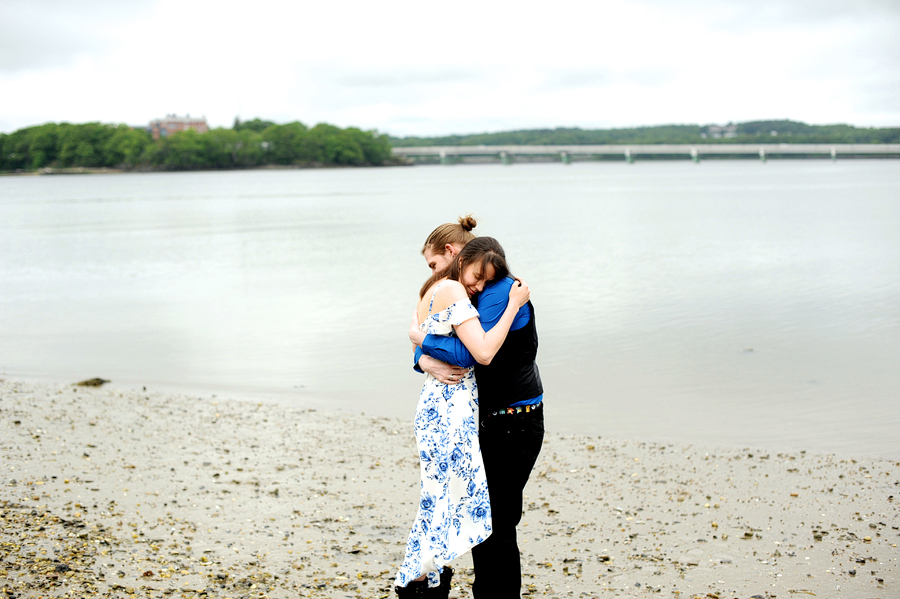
pixel 258 125
pixel 248 150
pixel 217 148
pixel 85 154
pixel 328 144
pixel 3 159
pixel 376 149
pixel 82 145
pixel 285 144
pixel 16 153
pixel 179 151
pixel 42 145
pixel 126 147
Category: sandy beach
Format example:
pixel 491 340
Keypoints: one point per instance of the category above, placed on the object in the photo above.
pixel 115 492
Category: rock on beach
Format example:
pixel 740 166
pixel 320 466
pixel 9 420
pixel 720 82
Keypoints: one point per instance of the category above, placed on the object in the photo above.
pixel 113 492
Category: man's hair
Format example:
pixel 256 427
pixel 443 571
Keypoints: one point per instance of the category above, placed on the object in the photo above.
pixel 458 233
pixel 485 250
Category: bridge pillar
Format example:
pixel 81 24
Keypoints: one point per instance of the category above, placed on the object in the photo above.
pixel 833 154
pixel 628 157
pixel 506 158
pixel 565 158
pixel 762 154
pixel 695 155
pixel 444 158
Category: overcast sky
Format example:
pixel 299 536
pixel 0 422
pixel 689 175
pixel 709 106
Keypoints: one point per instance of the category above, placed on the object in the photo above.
pixel 461 66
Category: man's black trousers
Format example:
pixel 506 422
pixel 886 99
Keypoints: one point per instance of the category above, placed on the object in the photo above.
pixel 510 444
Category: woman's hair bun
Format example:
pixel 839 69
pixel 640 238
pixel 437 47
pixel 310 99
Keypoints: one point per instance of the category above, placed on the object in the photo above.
pixel 467 222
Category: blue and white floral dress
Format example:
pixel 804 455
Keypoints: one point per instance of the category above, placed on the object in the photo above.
pixel 454 511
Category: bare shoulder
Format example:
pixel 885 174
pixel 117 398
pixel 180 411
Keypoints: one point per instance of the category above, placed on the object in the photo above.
pixel 448 294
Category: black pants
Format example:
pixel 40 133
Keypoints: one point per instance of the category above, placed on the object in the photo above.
pixel 510 445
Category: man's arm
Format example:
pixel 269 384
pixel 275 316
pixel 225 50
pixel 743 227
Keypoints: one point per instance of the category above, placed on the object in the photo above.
pixel 448 349
pixel 417 357
pixel 447 374
pixel 492 303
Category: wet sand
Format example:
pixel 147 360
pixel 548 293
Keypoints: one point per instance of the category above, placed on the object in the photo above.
pixel 115 493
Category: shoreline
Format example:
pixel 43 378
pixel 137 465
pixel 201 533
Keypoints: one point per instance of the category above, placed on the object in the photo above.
pixel 78 170
pixel 85 170
pixel 301 399
pixel 109 491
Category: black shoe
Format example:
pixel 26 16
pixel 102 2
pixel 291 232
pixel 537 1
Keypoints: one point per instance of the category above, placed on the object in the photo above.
pixel 415 589
pixel 419 588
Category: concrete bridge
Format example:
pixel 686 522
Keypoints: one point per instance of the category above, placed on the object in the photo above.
pixel 630 152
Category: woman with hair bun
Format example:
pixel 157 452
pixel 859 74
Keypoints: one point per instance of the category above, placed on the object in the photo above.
pixel 454 512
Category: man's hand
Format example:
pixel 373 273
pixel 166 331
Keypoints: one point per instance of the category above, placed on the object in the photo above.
pixel 443 372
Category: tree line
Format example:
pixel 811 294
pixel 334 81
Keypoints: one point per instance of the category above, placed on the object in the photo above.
pixel 785 131
pixel 245 145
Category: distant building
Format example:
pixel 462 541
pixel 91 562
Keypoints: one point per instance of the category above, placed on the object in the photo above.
pixel 174 123
pixel 719 132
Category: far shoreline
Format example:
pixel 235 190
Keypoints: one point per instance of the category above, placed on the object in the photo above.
pixel 403 161
pixel 78 170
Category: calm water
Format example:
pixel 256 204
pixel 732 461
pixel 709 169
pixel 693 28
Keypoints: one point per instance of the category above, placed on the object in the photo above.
pixel 731 303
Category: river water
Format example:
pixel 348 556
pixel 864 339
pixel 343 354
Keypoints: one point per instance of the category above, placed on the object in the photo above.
pixel 729 303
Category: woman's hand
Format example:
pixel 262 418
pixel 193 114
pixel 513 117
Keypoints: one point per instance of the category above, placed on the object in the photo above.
pixel 519 293
pixel 415 335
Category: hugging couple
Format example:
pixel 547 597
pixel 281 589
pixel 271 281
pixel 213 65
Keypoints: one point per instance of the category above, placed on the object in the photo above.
pixel 479 421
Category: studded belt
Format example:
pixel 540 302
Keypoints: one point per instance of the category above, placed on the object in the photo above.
pixel 516 410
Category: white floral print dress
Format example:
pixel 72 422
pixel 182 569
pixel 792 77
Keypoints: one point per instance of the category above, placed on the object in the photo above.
pixel 454 511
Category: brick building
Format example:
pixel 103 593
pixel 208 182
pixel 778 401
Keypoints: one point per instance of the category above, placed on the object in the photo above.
pixel 174 123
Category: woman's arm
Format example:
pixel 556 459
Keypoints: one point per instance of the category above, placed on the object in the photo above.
pixel 485 345
pixel 415 334
pixel 482 345
pixel 491 304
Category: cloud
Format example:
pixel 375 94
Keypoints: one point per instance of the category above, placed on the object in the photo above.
pixel 738 15
pixel 405 77
pixel 601 77
pixel 52 33
pixel 418 68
